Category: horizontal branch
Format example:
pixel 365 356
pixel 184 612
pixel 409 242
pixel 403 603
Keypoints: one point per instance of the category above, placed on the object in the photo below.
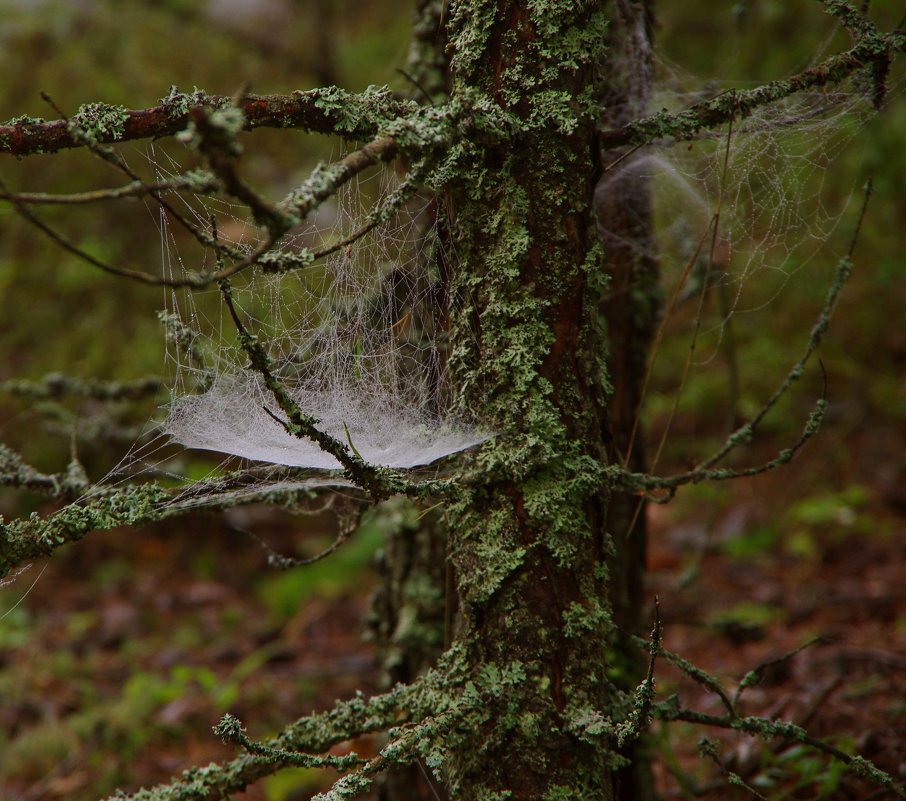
pixel 788 732
pixel 354 116
pixel 321 184
pixel 57 385
pixel 16 473
pixel 197 183
pixel 104 508
pixel 99 508
pixel 737 104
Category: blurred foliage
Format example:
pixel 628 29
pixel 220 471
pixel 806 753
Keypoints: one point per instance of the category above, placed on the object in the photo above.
pixel 284 593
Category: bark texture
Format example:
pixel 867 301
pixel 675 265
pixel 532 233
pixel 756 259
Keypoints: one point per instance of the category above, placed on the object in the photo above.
pixel 530 543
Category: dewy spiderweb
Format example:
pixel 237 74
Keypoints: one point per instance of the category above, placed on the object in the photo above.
pixel 358 339
pixel 764 193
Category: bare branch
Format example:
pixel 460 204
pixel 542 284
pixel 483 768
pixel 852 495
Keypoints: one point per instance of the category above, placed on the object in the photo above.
pixel 191 182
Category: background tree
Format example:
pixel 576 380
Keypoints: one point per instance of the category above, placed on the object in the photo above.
pixel 536 696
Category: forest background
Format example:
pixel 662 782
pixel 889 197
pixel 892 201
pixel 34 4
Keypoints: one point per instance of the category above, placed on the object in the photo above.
pixel 117 656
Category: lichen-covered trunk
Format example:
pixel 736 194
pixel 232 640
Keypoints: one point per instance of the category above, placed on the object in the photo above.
pixel 529 543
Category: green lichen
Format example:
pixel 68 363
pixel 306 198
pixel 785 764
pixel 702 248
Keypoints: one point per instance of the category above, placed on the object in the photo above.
pixel 376 107
pixel 178 104
pixel 25 539
pixel 98 122
pixel 24 119
pixel 580 620
pixel 279 261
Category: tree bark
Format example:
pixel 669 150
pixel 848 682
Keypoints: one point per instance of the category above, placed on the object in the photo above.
pixel 624 214
pixel 530 543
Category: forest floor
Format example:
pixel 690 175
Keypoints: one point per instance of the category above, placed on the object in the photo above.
pixel 115 664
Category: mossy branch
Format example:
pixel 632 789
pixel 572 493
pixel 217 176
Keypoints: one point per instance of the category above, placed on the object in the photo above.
pixel 104 508
pixel 55 386
pixel 784 730
pixel 310 735
pixel 230 730
pixel 873 48
pixel 353 116
pixel 17 473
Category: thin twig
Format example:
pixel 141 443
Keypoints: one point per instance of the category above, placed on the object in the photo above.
pixel 133 189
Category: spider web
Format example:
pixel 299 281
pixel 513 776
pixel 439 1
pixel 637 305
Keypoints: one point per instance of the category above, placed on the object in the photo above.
pixel 357 339
pixel 741 213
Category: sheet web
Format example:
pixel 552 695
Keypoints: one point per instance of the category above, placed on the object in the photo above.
pixel 741 217
pixel 357 338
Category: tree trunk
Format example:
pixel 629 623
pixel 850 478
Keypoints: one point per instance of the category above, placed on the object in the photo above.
pixel 543 562
pixel 530 543
pixel 623 207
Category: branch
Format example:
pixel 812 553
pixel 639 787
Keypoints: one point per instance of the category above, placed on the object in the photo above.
pixel 857 23
pixel 215 134
pixel 705 471
pixel 842 274
pixel 104 508
pixel 353 116
pixel 695 673
pixel 314 734
pixel 54 386
pixel 394 202
pixel 322 184
pixel 17 473
pixel 402 749
pixel 230 730
pixel 197 182
pixel 324 181
pixel 872 49
pixel 790 732
pixel 643 480
pixel 708 749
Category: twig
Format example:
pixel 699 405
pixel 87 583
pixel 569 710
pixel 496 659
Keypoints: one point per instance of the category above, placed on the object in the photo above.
pixel 190 182
pixel 743 434
pixel 754 676
pixel 630 730
pixel 841 276
pixel 697 674
pixel 762 727
pixel 315 733
pixel 230 730
pixel 708 749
